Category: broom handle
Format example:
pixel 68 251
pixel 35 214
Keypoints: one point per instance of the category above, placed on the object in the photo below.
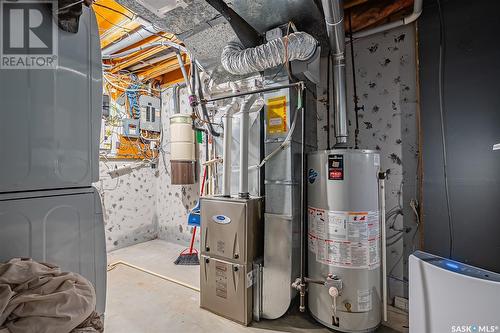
pixel 201 194
pixel 192 241
pixel 203 181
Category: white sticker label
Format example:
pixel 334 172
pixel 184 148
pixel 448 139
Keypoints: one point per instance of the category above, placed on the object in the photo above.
pixel 364 300
pixel 250 278
pixel 345 239
pixel 376 160
pixel 275 121
pixel 337 226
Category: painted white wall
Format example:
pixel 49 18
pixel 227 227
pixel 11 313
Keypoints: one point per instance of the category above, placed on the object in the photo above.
pixel 129 205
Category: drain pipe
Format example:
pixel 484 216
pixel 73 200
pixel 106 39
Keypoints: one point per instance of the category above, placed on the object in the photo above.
pixel 382 176
pixel 334 18
pixel 244 133
pixel 184 72
pixel 176 96
pixel 146 30
pixel 417 10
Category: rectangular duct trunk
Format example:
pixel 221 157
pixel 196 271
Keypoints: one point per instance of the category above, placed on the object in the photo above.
pixel 283 187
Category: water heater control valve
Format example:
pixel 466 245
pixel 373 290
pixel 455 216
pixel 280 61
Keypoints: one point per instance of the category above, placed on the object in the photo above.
pixel 333 281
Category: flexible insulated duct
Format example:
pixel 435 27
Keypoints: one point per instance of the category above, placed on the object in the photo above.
pixel 238 60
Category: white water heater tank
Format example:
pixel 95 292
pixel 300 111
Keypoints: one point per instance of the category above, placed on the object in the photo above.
pixel 344 247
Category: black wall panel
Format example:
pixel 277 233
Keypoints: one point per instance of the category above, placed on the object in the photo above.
pixel 472 108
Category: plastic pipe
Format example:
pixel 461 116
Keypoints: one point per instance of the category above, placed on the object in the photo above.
pixel 146 30
pixel 183 70
pixel 244 133
pixel 151 62
pixel 226 153
pixel 163 277
pixel 417 11
pixel 383 245
pixel 145 47
pixel 303 199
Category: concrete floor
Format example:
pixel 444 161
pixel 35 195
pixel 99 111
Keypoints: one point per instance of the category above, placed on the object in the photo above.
pixel 139 302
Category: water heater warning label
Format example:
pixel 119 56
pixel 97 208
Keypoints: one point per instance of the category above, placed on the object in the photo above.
pixel 345 239
pixel 336 167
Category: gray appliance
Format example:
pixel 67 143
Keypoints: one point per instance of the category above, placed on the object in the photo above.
pixel 344 244
pixel 64 227
pixel 49 141
pixel 282 190
pixel 449 296
pixel 231 239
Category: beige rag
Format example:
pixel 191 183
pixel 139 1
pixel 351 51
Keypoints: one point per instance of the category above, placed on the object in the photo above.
pixel 39 298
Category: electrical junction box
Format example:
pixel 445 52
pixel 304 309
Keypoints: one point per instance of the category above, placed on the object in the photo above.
pixel 105 105
pixel 150 113
pixel 131 128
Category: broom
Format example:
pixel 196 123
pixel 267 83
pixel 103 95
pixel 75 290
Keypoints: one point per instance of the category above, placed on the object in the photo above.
pixel 190 256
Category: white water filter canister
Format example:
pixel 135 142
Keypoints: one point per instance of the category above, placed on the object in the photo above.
pixel 182 149
pixel 344 244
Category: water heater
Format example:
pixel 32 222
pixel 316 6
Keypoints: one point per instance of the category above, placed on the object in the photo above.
pixel 344 250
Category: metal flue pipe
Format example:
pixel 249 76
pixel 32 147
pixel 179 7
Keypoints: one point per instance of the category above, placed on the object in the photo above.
pixel 334 18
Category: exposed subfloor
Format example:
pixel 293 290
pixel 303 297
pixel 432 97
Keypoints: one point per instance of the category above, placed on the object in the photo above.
pixel 140 302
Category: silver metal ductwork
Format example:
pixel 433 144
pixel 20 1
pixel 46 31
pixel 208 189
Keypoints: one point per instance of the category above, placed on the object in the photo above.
pixel 334 18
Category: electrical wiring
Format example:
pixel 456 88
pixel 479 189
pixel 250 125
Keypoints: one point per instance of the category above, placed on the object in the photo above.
pixel 133 100
pixel 58 10
pixel 285 142
pixel 167 38
pixel 397 279
pixel 132 87
pixel 398 238
pixel 148 139
pixel 125 88
pixel 147 153
pixel 442 50
pixel 126 30
pixel 287 63
pixel 395 265
pixel 413 205
pixel 115 11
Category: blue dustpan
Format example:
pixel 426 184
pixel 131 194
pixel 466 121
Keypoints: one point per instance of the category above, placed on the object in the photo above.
pixel 194 216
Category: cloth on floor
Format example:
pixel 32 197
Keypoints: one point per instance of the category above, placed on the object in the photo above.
pixel 39 298
pixel 93 324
